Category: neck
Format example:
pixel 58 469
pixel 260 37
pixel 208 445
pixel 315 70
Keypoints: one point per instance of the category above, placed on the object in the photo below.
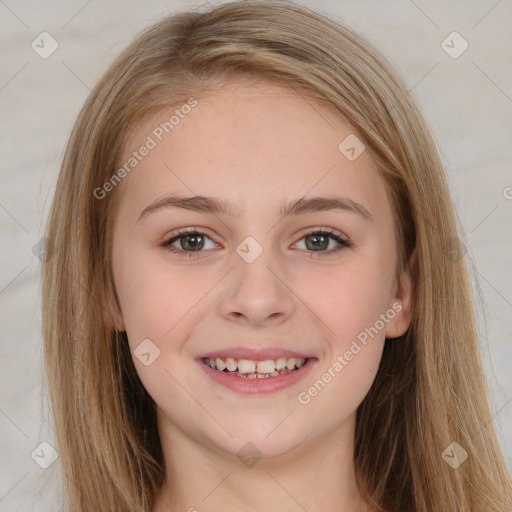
pixel 318 476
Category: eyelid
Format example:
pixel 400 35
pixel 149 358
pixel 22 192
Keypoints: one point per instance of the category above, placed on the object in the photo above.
pixel 330 231
pixel 343 241
pixel 173 237
pixel 188 230
pixel 206 231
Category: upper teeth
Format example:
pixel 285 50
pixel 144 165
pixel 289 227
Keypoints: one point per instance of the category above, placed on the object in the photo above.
pixel 248 366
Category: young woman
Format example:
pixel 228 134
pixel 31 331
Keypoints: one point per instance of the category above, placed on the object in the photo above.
pixel 254 299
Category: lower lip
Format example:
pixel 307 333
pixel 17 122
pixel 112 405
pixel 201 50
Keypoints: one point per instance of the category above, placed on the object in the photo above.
pixel 266 385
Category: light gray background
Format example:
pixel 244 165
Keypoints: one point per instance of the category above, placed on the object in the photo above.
pixel 468 102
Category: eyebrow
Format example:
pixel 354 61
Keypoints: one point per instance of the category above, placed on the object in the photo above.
pixel 208 204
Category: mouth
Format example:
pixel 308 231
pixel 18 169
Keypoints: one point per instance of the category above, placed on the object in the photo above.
pixel 250 369
pixel 256 375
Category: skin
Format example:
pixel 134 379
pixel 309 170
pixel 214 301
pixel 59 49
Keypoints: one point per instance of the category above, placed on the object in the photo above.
pixel 255 145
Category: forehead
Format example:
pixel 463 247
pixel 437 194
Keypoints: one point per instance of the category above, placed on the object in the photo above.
pixel 249 143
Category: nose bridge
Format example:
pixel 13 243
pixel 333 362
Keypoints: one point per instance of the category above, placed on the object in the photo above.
pixel 257 290
pixel 253 261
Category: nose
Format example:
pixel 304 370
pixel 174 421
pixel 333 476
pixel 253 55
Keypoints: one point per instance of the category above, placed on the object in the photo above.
pixel 257 292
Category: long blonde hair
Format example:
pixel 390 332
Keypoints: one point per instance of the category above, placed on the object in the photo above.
pixel 429 391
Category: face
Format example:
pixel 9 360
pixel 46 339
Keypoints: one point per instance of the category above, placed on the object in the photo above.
pixel 250 283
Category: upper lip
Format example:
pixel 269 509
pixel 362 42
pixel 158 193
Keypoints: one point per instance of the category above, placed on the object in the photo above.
pixel 254 354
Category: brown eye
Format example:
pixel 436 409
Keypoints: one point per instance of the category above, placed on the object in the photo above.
pixel 191 242
pixel 319 241
pixel 188 241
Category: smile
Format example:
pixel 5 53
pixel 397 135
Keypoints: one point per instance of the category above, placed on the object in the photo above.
pixel 250 376
pixel 250 369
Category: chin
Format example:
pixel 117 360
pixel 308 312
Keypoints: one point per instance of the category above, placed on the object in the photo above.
pixel 267 440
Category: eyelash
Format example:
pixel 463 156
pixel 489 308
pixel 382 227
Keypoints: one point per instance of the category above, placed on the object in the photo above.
pixel 343 244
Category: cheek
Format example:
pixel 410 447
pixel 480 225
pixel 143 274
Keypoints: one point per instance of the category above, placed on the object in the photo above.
pixel 351 304
pixel 159 299
pixel 161 304
pixel 351 308
pixel 348 300
pixel 155 296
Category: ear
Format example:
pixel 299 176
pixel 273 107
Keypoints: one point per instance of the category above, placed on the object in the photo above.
pixel 112 315
pixel 402 301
